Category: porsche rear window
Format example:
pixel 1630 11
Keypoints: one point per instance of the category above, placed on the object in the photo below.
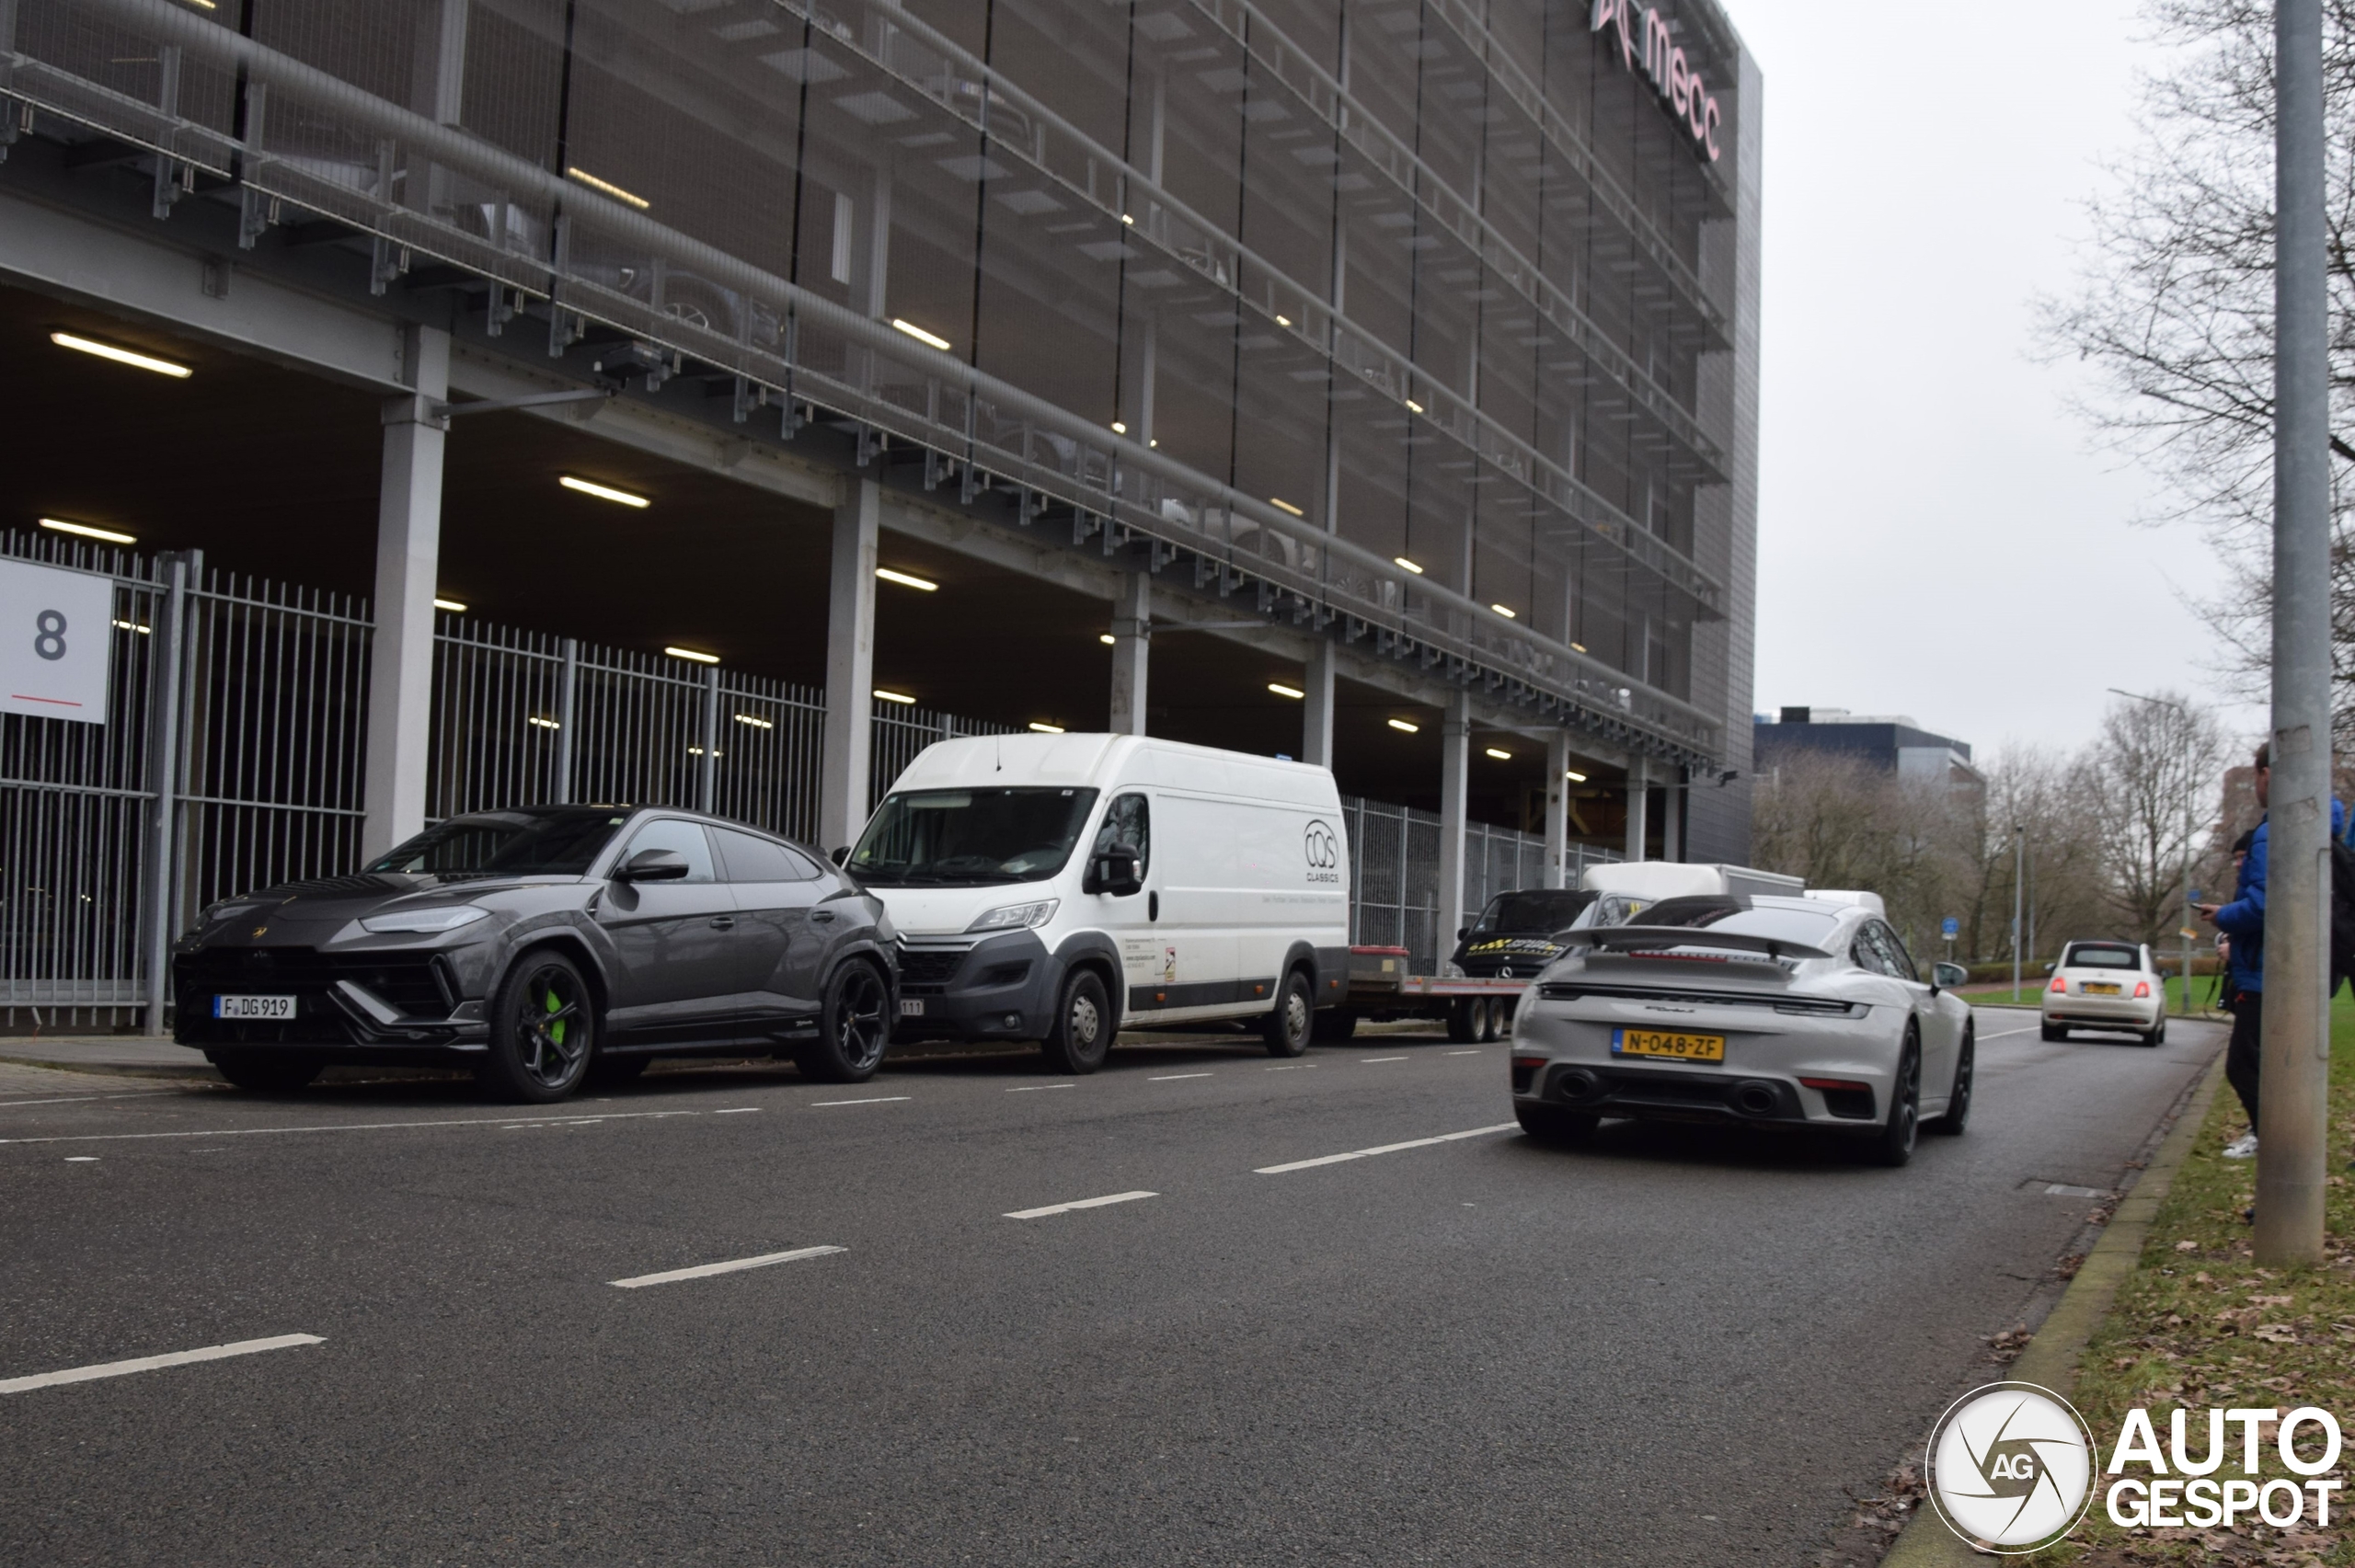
pixel 1736 915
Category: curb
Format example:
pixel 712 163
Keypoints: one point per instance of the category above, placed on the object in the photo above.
pixel 2051 1358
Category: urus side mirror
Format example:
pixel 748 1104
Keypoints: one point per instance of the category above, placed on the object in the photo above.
pixel 654 865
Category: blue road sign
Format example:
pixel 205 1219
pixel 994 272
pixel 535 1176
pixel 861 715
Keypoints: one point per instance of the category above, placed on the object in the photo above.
pixel 1950 927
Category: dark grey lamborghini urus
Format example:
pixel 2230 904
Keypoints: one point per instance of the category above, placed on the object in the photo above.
pixel 546 947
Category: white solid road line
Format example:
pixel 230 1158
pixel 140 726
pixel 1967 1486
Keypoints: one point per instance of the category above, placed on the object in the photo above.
pixel 2005 1034
pixel 82 1099
pixel 703 1271
pixel 150 1362
pixel 1383 1059
pixel 1470 1053
pixel 878 1099
pixel 735 1110
pixel 1034 1088
pixel 1174 1076
pixel 1383 1149
pixel 81 1158
pixel 1082 1203
pixel 347 1126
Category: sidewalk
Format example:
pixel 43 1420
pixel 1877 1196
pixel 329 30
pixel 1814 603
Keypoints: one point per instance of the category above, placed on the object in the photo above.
pixel 131 1054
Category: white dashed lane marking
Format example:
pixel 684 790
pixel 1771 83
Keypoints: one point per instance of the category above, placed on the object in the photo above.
pixel 733 1266
pixel 876 1100
pixel 151 1362
pixel 1034 1088
pixel 349 1127
pixel 1174 1076
pixel 1384 1059
pixel 1382 1148
pixel 1079 1203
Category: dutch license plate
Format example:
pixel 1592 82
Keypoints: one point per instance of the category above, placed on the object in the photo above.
pixel 253 1007
pixel 1678 1048
pixel 2098 987
pixel 912 1007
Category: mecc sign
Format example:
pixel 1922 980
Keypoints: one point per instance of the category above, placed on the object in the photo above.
pixel 1677 83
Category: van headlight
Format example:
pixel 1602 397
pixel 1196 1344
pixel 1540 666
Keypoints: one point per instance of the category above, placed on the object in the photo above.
pixel 447 917
pixel 1016 917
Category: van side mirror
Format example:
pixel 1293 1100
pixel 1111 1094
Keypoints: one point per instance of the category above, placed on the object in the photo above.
pixel 1114 872
pixel 1462 932
pixel 653 866
pixel 1946 977
pixel 840 853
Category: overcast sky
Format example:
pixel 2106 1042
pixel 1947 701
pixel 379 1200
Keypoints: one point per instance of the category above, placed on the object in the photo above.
pixel 1938 535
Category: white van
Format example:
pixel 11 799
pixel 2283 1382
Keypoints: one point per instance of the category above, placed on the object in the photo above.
pixel 1061 887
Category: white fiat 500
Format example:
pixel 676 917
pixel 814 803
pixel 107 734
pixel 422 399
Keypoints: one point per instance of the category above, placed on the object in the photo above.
pixel 1742 1010
pixel 2105 985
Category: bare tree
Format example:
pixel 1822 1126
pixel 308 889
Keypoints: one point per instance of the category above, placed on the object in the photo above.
pixel 2177 309
pixel 2152 768
pixel 2043 816
pixel 1840 823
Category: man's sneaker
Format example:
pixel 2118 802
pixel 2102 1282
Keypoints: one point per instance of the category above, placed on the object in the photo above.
pixel 2242 1148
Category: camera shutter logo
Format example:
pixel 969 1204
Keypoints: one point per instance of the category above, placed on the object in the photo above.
pixel 2011 1465
pixel 1321 845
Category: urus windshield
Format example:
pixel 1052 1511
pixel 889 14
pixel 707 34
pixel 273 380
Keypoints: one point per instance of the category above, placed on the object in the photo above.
pixel 1541 910
pixel 969 837
pixel 507 844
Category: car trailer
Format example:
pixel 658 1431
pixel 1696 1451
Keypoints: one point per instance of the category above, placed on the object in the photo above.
pixel 1381 988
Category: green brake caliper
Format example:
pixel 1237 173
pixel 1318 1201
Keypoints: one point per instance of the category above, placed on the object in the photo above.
pixel 556 1030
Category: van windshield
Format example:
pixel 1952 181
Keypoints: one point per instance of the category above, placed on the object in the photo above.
pixel 1539 910
pixel 970 837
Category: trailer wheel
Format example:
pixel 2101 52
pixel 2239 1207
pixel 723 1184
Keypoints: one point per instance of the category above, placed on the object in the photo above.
pixel 1467 1016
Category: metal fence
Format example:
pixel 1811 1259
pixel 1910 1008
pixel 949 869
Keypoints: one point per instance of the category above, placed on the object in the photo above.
pixel 1394 874
pixel 900 732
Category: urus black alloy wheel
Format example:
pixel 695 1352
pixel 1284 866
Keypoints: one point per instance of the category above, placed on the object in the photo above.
pixel 551 1026
pixel 859 1028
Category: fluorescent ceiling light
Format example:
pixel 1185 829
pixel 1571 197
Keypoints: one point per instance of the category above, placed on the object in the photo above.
pixel 121 356
pixel 1403 728
pixel 87 531
pixel 1580 646
pixel 1107 638
pixel 1499 756
pixel 1410 566
pixel 1414 406
pixel 452 605
pixel 1126 219
pixel 1508 615
pixel 135 626
pixel 603 492
pixel 697 751
pixel 1280 690
pixel 755 721
pixel 608 188
pixel 900 697
pixel 1278 500
pixel 920 335
pixel 1283 321
pixel 1045 729
pixel 1574 775
pixel 905 580
pixel 692 654
pixel 1119 429
pixel 543 723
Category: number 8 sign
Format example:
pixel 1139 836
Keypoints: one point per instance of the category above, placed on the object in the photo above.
pixel 56 641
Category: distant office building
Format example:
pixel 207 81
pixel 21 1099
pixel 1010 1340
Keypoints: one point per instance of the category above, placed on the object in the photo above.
pixel 1892 742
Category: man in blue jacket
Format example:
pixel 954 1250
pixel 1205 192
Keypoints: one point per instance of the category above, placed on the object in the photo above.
pixel 2243 919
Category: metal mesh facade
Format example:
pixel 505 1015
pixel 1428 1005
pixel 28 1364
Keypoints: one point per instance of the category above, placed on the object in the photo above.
pixel 1298 288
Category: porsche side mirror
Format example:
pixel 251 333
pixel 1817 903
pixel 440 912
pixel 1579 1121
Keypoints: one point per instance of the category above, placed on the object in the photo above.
pixel 654 865
pixel 1946 977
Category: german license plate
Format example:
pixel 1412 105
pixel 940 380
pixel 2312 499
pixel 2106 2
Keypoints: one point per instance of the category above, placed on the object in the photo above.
pixel 253 1007
pixel 2098 987
pixel 912 1007
pixel 1678 1048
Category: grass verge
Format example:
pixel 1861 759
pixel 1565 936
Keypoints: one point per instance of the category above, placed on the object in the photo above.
pixel 2198 1324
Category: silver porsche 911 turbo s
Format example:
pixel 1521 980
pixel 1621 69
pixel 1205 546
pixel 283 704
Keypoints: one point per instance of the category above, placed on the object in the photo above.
pixel 545 947
pixel 1767 1012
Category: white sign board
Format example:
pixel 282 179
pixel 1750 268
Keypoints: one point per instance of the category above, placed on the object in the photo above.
pixel 56 641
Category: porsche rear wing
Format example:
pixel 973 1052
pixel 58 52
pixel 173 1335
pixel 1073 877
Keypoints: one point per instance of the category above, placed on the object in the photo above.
pixel 1642 941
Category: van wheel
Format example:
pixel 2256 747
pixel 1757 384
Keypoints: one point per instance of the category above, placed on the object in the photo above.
pixel 1287 1028
pixel 1081 1036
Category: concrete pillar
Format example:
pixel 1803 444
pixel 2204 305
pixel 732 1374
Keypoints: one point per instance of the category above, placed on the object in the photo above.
pixel 1316 708
pixel 843 766
pixel 408 558
pixel 1131 640
pixel 1671 817
pixel 1638 797
pixel 1557 810
pixel 1454 783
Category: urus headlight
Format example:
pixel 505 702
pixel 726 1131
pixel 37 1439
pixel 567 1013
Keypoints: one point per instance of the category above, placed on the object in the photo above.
pixel 1016 917
pixel 447 916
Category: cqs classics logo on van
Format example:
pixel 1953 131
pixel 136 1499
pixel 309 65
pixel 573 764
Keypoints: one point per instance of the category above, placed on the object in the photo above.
pixel 1323 848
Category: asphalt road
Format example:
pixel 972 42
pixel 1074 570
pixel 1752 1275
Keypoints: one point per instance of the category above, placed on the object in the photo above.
pixel 1675 1346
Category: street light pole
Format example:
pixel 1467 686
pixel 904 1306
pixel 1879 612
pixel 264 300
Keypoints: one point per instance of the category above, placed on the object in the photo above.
pixel 2189 784
pixel 2019 869
pixel 2293 1076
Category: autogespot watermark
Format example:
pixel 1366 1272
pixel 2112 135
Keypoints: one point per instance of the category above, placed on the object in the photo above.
pixel 2013 1467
